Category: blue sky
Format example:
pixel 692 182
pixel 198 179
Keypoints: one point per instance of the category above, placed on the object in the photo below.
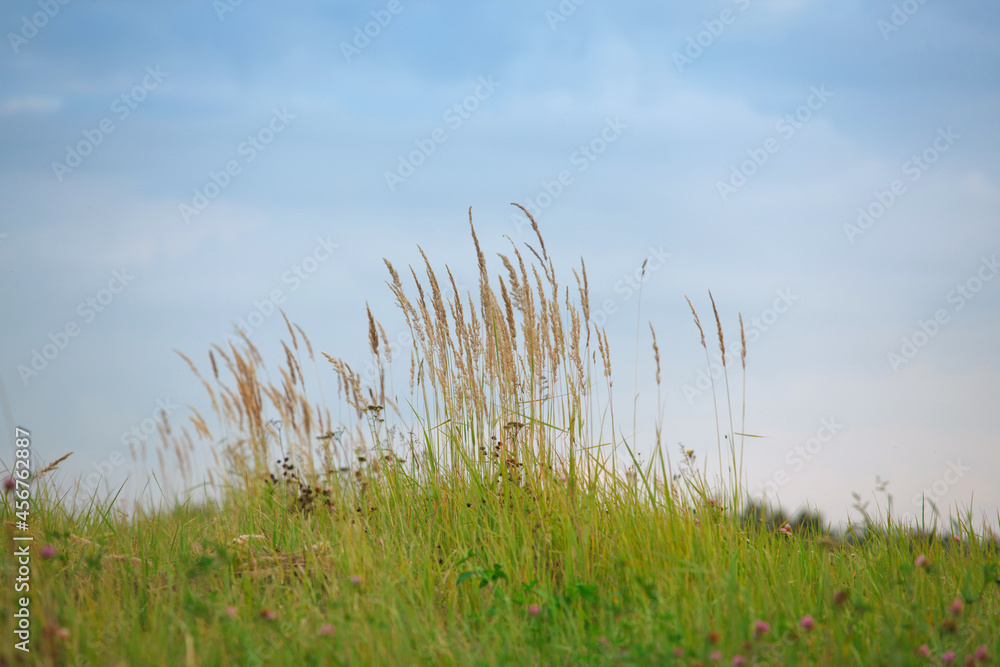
pixel 233 150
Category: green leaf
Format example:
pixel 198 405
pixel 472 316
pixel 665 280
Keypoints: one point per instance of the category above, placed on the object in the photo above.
pixel 587 592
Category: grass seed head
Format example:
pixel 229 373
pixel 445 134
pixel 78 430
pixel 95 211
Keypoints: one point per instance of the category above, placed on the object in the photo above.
pixel 697 322
pixel 718 324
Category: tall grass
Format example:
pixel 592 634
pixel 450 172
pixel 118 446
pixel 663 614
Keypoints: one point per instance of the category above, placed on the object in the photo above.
pixel 504 392
pixel 486 515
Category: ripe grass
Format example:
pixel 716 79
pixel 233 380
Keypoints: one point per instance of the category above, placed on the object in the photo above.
pixel 484 518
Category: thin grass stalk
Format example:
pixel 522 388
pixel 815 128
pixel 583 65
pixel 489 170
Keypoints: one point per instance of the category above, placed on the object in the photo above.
pixel 743 418
pixel 729 399
pixel 638 318
pixel 711 377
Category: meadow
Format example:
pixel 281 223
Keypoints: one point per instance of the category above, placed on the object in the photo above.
pixel 490 517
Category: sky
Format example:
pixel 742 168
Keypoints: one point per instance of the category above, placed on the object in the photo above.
pixel 828 170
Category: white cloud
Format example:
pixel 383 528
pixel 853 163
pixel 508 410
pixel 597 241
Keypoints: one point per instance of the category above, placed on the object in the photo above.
pixel 29 104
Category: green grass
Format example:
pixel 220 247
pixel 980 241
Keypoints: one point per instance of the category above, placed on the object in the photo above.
pixel 487 519
pixel 452 575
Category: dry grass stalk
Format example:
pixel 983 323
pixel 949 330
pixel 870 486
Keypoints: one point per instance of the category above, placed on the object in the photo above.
pixel 718 324
pixel 194 370
pixel 372 332
pixel 558 348
pixel 743 344
pixel 537 256
pixel 543 323
pixel 422 315
pixel 479 252
pixel 52 466
pixel 472 376
pixel 295 342
pixel 309 347
pixel 461 339
pixel 585 300
pixel 511 271
pixel 574 342
pixel 697 323
pixel 200 427
pixel 511 324
pixel 534 226
pixel 385 343
pixel 602 345
pixel 413 370
pixel 409 312
pixel 475 340
pixel 656 353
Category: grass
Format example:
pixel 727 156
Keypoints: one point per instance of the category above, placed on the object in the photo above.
pixel 491 517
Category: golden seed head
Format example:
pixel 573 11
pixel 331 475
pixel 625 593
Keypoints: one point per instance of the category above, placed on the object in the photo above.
pixel 718 323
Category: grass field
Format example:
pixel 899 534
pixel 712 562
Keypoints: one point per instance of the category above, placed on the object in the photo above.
pixel 488 518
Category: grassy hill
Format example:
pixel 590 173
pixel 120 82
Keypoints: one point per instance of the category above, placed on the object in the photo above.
pixel 484 520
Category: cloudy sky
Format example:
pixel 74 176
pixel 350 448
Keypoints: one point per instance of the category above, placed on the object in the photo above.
pixel 829 170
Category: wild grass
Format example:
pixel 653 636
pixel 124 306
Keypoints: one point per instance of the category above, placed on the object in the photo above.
pixel 487 515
